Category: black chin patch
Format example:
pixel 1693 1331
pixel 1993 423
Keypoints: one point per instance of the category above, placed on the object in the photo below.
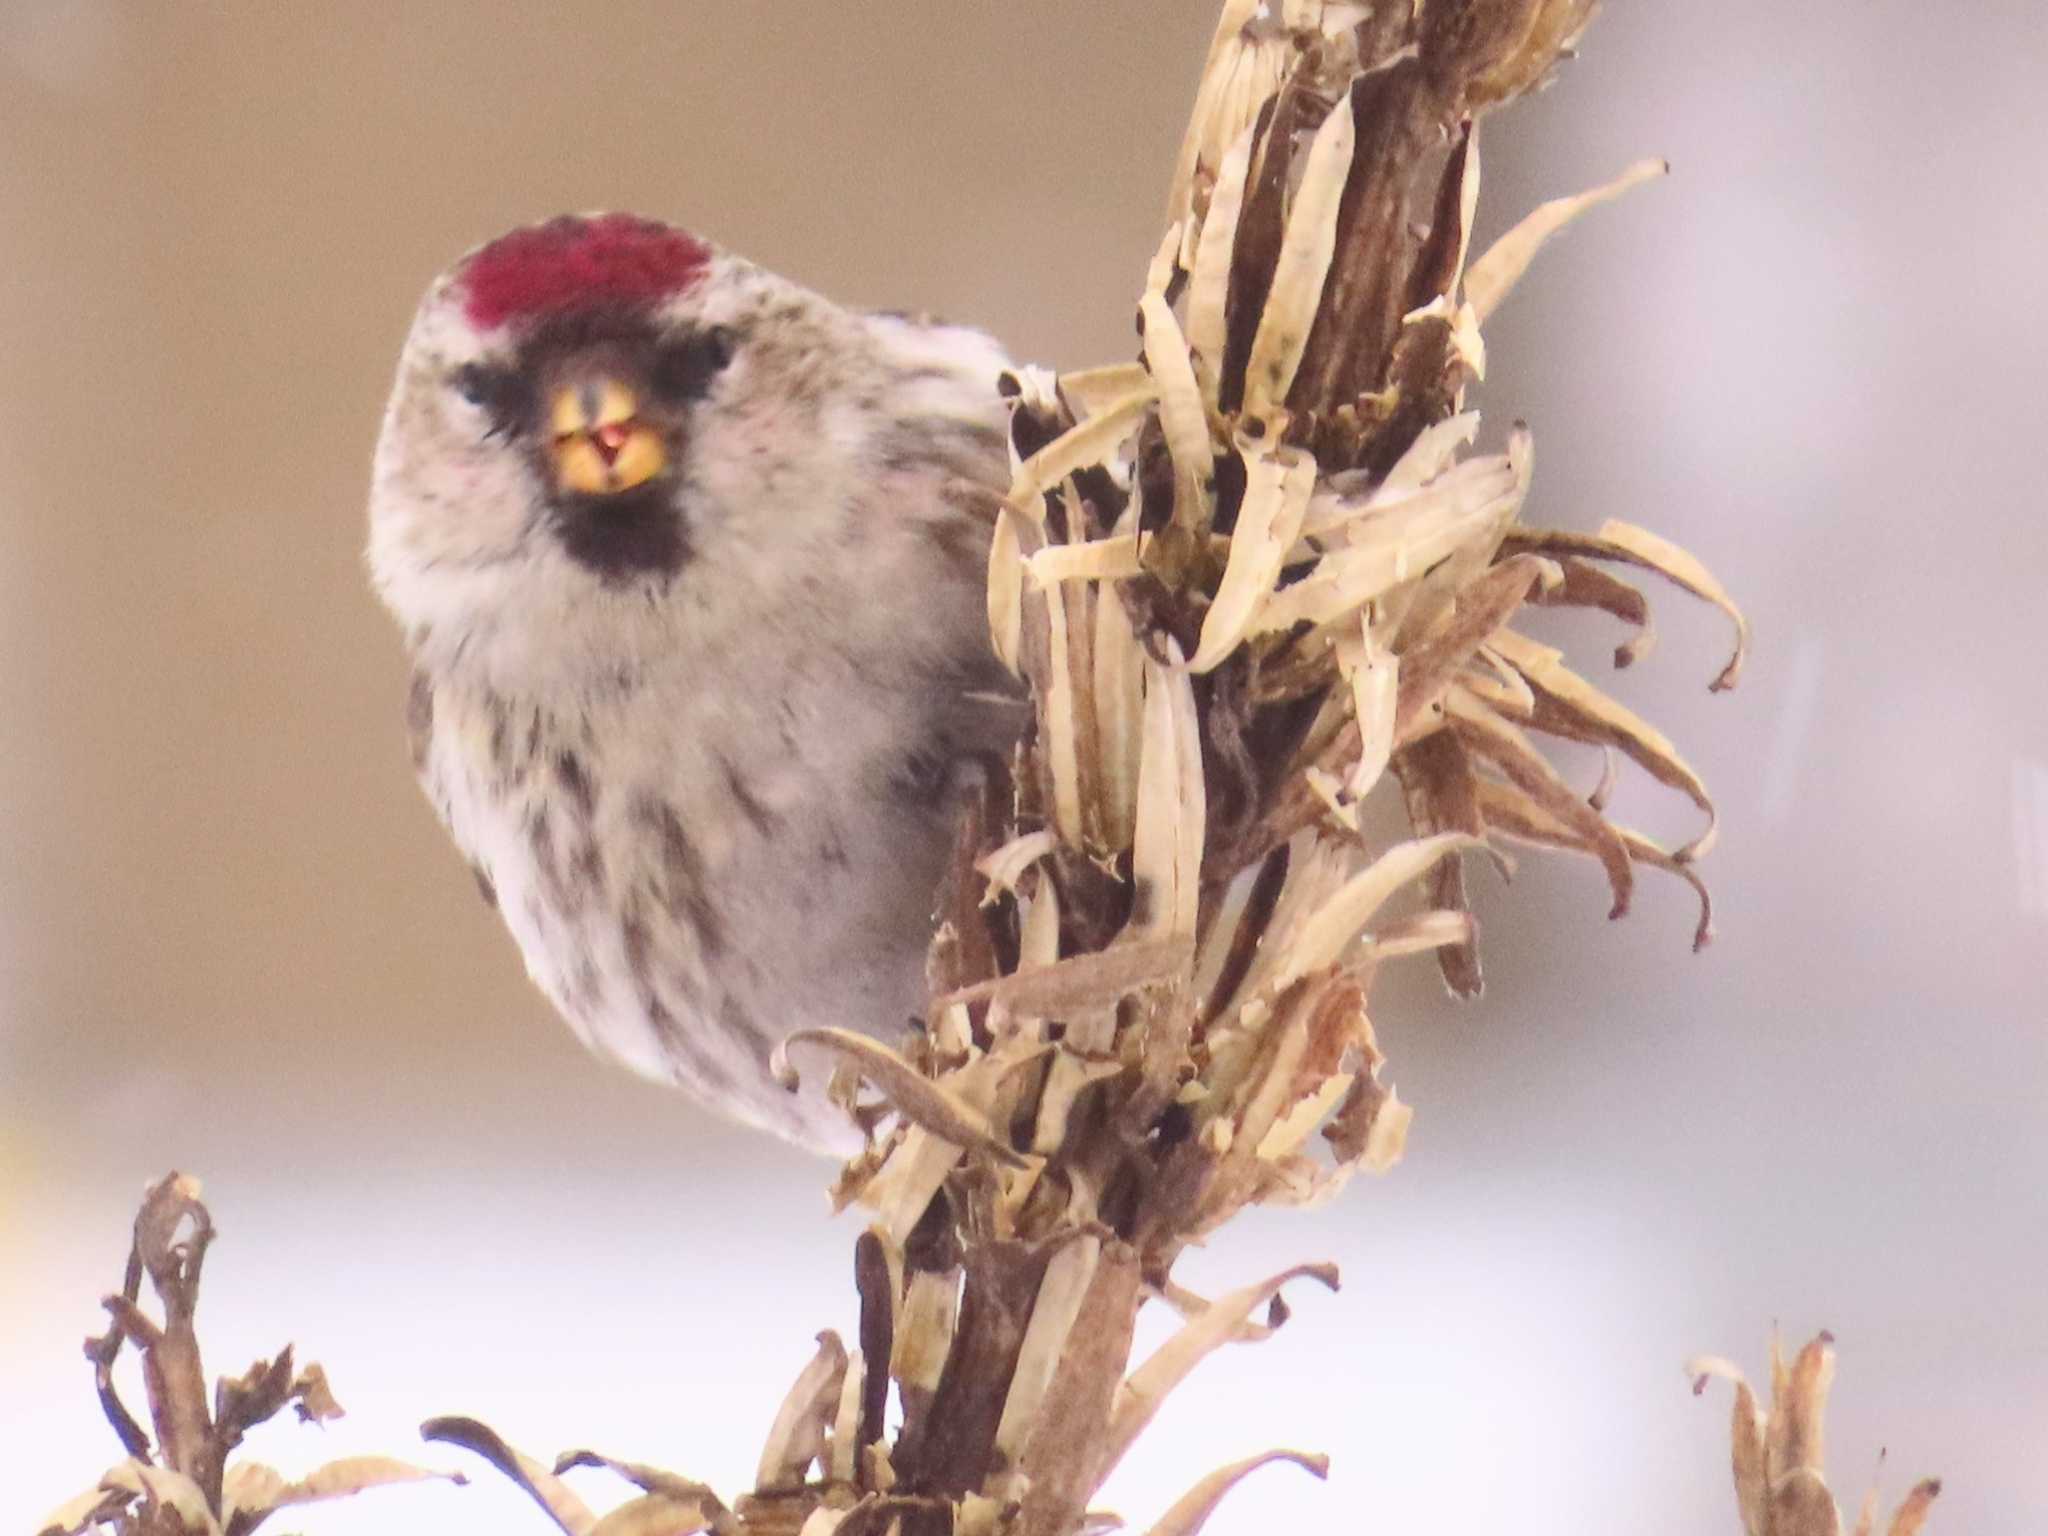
pixel 626 535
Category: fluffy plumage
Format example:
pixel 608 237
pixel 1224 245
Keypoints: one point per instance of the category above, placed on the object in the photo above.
pixel 695 735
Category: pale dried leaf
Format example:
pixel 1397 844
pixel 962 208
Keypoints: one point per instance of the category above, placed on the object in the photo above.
pixel 1147 1387
pixel 1006 592
pixel 1394 545
pixel 655 1514
pixel 1434 665
pixel 1387 1139
pixel 1303 264
pixel 931 1308
pixel 1089 391
pixel 1747 1432
pixel 251 1488
pixel 1166 854
pixel 1287 1133
pixel 1191 1511
pixel 1488 737
pixel 1421 933
pixel 168 1489
pixel 1803 1411
pixel 1038 945
pixel 797 1437
pixel 1182 415
pixel 1209 282
pixel 1586 585
pixel 1227 48
pixel 1061 1291
pixel 1617 540
pixel 1092 442
pixel 1509 812
pixel 1496 271
pixel 902 1190
pixel 1116 558
pixel 1489 678
pixel 1059 729
pixel 556 1497
pixel 1422 461
pixel 1912 1514
pixel 1800 1505
pixel 1003 867
pixel 1118 699
pixel 1375 676
pixel 919 1099
pixel 1277 486
pixel 1069 1076
pixel 87 1509
pixel 1268 1093
pixel 846 1420
pixel 1570 706
pixel 1190 1306
pixel 1323 937
pixel 1086 980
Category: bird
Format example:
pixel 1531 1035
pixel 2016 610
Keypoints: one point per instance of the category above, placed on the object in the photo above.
pixel 690 564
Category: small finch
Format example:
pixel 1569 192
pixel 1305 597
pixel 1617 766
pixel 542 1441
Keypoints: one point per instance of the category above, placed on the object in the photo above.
pixel 690 562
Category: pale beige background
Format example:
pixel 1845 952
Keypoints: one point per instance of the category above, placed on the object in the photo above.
pixel 232 940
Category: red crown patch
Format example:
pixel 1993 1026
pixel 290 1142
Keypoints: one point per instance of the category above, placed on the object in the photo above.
pixel 571 263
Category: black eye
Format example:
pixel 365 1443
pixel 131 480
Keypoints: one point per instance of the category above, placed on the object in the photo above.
pixel 499 392
pixel 683 370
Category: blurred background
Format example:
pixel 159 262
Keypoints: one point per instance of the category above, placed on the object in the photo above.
pixel 233 941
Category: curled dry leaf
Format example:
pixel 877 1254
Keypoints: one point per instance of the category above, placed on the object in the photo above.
pixel 1564 704
pixel 1778 1457
pixel 1325 935
pixel 1277 487
pixel 919 1099
pixel 1209 280
pixel 1183 418
pixel 1304 261
pixel 1501 266
pixel 1090 391
pixel 1146 1388
pixel 1093 442
pixel 1119 704
pixel 1083 981
pixel 1006 591
pixel 1638 546
pixel 1059 727
pixel 1166 855
pixel 655 1514
pixel 251 1490
pixel 554 1496
pixel 808 1410
pixel 1191 1511
pixel 1003 868
pixel 93 1507
pixel 1068 1274
pixel 1241 68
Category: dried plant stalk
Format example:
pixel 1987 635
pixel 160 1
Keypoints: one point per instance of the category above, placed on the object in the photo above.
pixel 180 1483
pixel 1247 579
pixel 1780 1470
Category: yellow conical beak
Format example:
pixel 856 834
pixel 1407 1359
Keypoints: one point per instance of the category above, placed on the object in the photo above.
pixel 598 442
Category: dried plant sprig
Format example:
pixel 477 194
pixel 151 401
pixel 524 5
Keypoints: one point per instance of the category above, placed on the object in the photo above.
pixel 181 1481
pixel 1247 579
pixel 1780 1467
